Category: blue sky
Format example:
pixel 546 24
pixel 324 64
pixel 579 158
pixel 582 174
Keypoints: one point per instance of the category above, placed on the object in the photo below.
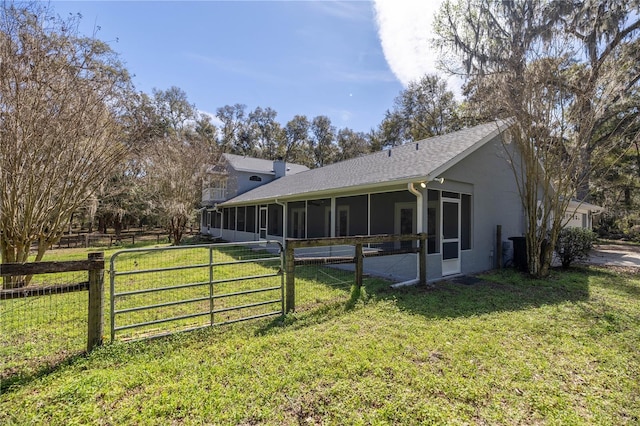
pixel 346 60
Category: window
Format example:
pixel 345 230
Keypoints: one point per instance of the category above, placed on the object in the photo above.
pixel 250 223
pixel 232 218
pixel 342 221
pixel 241 219
pixel 227 216
pixel 218 189
pixel 255 178
pixel 275 220
pixel 298 223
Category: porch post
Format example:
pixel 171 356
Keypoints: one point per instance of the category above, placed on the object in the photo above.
pixel 422 256
pixel 369 215
pixel 332 231
pixel 306 218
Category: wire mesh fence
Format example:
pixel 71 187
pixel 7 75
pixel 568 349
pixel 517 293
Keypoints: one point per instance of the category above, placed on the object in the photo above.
pixel 42 323
pixel 327 269
pixel 159 291
pixel 320 279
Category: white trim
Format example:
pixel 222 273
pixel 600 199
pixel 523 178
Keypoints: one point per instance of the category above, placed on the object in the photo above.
pixel 454 265
pixel 369 215
pixel 264 228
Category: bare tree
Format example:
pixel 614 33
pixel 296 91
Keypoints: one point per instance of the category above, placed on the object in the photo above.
pixel 175 170
pixel 59 137
pixel 176 161
pixel 557 69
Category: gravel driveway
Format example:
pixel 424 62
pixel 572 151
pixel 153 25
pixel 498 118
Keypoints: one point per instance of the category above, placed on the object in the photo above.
pixel 615 255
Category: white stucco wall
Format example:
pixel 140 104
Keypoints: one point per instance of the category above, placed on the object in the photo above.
pixel 486 175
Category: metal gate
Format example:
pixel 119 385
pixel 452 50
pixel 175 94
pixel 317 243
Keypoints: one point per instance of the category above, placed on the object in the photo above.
pixel 160 291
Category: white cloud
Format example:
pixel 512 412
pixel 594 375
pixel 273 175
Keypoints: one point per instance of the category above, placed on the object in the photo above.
pixel 214 120
pixel 404 28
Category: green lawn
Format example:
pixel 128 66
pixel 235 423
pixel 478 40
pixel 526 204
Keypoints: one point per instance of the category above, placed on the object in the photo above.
pixel 508 351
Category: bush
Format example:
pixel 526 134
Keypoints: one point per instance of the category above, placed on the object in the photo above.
pixel 574 244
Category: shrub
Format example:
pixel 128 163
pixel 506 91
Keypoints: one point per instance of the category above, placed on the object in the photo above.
pixel 574 244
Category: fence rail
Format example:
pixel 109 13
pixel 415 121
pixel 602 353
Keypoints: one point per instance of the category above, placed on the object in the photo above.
pixel 85 239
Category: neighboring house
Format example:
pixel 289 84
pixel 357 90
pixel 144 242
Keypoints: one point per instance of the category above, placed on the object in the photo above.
pixel 456 188
pixel 580 214
pixel 234 175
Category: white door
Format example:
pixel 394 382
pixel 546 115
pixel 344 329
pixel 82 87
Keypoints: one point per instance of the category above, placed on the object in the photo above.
pixel 405 222
pixel 262 223
pixel 450 236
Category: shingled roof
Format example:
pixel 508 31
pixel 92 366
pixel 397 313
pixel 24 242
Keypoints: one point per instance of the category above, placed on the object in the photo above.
pixel 258 165
pixel 422 160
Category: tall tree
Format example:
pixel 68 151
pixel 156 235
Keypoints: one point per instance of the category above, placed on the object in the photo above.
pixel 424 109
pixel 175 163
pixel 351 144
pixel 553 68
pixel 233 118
pixel 60 94
pixel 125 195
pixel 266 131
pixel 322 141
pixel 174 110
pixel 294 138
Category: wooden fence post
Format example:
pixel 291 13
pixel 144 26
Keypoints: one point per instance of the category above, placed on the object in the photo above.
pixel 359 265
pixel 96 301
pixel 290 269
pixel 422 256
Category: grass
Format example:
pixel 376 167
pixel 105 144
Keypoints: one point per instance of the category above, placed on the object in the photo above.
pixel 37 333
pixel 509 350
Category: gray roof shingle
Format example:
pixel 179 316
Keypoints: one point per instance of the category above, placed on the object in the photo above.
pixel 416 161
pixel 258 165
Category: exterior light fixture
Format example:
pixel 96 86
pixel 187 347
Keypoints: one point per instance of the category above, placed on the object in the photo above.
pixel 423 185
pixel 440 180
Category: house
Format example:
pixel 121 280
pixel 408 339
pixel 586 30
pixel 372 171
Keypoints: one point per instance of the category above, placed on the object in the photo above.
pixel 581 214
pixel 234 175
pixel 456 188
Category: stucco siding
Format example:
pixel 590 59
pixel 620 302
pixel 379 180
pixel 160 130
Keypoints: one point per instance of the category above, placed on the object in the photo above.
pixel 495 201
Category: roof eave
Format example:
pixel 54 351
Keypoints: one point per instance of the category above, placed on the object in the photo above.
pixel 500 127
pixel 325 192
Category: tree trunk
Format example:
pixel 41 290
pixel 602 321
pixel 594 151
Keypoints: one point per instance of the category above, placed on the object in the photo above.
pixel 117 225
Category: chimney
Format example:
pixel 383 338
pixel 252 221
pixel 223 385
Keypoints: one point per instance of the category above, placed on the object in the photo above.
pixel 279 167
